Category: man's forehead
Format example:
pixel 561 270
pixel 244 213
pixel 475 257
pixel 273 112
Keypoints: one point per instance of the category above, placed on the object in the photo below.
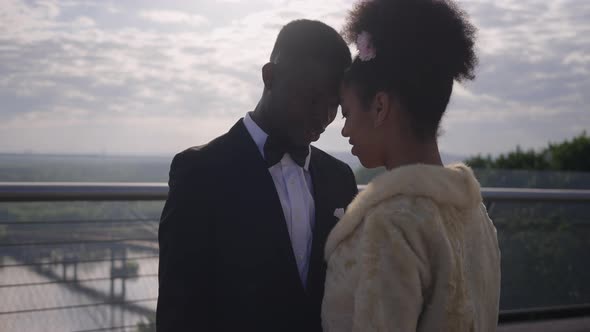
pixel 320 67
pixel 319 74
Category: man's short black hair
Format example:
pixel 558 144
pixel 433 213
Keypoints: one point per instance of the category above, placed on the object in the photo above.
pixel 303 40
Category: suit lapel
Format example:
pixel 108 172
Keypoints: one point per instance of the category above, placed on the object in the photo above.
pixel 324 221
pixel 262 201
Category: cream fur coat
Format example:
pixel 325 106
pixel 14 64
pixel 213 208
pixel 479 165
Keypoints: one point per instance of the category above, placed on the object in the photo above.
pixel 415 251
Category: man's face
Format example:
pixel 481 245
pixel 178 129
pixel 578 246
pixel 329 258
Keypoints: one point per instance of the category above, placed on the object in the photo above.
pixel 306 99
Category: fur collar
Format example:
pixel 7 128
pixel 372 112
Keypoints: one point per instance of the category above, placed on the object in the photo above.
pixel 451 185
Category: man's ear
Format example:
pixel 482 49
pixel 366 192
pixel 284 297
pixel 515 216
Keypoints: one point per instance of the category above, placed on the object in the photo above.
pixel 382 105
pixel 268 75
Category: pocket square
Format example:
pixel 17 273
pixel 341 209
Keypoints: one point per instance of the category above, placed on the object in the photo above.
pixel 339 213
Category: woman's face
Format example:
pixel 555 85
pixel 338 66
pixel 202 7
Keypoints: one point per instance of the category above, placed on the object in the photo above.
pixel 359 127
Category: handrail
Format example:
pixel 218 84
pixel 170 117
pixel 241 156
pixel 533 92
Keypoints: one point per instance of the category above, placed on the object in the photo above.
pixel 544 313
pixel 81 191
pixel 155 191
pixel 530 194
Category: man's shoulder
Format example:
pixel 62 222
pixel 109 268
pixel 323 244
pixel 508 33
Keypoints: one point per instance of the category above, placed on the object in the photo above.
pixel 328 159
pixel 206 154
pixel 201 159
pixel 338 167
pixel 195 154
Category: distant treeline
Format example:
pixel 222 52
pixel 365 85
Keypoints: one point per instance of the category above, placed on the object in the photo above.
pixel 560 165
pixel 569 155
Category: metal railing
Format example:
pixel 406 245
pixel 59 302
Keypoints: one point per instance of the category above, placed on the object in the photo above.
pixel 86 191
pixel 81 191
pixel 90 261
pixel 19 192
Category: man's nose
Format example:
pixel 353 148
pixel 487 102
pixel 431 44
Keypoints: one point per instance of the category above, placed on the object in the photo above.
pixel 344 131
pixel 331 115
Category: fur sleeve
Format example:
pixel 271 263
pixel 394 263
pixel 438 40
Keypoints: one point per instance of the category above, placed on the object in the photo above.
pixel 393 270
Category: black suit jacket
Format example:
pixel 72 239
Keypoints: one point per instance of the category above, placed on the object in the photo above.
pixel 226 262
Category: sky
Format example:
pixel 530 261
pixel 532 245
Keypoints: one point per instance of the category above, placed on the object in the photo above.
pixel 153 77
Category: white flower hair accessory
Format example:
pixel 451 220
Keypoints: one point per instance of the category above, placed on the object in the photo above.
pixel 365 46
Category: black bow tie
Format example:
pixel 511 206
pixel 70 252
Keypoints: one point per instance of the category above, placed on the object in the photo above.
pixel 274 150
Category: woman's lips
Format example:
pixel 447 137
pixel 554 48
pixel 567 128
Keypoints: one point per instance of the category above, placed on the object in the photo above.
pixel 352 150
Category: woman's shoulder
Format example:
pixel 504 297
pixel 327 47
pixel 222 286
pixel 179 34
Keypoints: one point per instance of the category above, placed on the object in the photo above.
pixel 400 209
pixel 404 225
pixel 407 214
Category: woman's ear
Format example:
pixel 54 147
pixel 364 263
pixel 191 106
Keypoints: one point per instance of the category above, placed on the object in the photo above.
pixel 382 105
pixel 268 75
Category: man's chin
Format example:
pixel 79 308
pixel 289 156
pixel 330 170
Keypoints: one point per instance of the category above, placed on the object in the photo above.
pixel 304 142
pixel 312 137
pixel 300 143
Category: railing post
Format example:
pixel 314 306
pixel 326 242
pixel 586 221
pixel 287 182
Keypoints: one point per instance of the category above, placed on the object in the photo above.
pixel 112 291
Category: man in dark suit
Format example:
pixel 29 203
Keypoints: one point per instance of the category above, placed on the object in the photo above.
pixel 242 233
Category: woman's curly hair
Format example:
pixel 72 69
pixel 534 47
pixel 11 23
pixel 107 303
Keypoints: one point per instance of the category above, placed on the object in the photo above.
pixel 422 46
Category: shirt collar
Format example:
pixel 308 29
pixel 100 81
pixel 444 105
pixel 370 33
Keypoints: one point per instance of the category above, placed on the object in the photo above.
pixel 259 137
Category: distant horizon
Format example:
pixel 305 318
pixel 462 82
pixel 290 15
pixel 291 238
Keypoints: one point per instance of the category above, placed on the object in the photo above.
pixel 155 155
pixel 318 144
pixel 80 154
pixel 344 156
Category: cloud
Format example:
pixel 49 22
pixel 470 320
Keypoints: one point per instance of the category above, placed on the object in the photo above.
pixel 173 17
pixel 529 49
pixel 77 67
pixel 532 84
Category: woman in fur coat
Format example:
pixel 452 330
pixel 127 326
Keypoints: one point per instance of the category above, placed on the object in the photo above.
pixel 416 250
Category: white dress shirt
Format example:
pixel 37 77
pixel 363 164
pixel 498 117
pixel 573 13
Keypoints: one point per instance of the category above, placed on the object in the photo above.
pixel 295 189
